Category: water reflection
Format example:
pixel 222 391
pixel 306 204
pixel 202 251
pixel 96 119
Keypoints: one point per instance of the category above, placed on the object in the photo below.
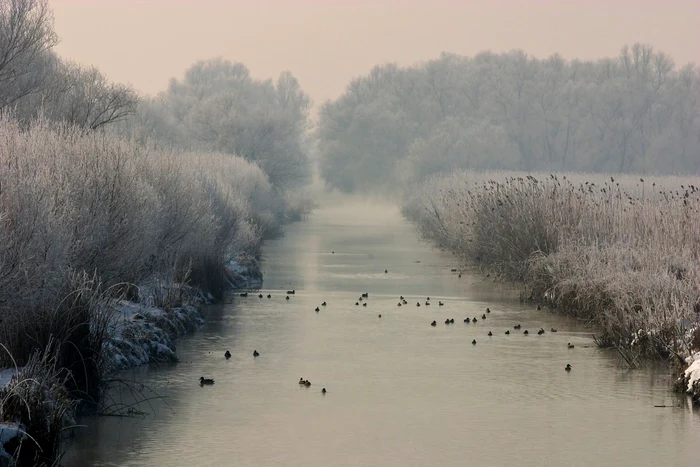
pixel 400 392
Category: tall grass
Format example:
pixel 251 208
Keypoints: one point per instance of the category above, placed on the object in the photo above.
pixel 85 214
pixel 623 252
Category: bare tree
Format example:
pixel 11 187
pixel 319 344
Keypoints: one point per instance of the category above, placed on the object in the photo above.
pixel 26 34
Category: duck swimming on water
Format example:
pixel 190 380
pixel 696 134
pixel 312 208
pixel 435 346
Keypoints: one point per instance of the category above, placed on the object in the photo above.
pixel 255 353
pixel 204 381
pixel 434 323
pixel 568 367
pixel 227 355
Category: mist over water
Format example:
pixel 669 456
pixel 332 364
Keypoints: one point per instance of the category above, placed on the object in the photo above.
pixel 400 392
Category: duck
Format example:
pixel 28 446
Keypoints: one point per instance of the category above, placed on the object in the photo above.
pixel 323 391
pixel 417 303
pixel 260 295
pixel 203 381
pixel 452 320
pixel 507 333
pixel 490 334
pixel 398 304
pixel 427 303
pixel 440 304
pixel 453 270
pixel 269 296
pixel 525 332
pixel 552 330
pixel 483 316
pixel 302 381
pixel 317 309
pixel 291 292
pixel 447 321
pixel 244 294
pixel 434 323
pixel 357 303
pixel 474 319
pixel 386 271
pixel 287 297
pixel 570 345
pixel 255 353
pixel 366 294
pixel 427 299
pixel 488 310
pixel 467 320
pixel 539 307
pixel 404 302
pixel 459 275
pixel 380 315
pixel 474 342
pixel 517 326
pixel 324 304
pixel 364 304
pixel 227 355
pixel 401 298
pixel 307 383
pixel 359 299
pixel 568 367
pixel 540 332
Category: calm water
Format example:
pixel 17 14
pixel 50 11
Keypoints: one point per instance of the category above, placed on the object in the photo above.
pixel 400 392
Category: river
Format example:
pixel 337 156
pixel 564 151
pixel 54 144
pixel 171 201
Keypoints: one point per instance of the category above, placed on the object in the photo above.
pixel 399 391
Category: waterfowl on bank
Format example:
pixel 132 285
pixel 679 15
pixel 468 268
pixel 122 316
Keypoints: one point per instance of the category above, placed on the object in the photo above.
pixel 552 330
pixel 467 320
pixel 568 367
pixel 440 304
pixel 507 333
pixel 474 342
pixel 227 355
pixel 317 309
pixel 490 334
pixel 204 381
pixel 525 332
pixel 488 310
pixel 255 353
pixel 540 332
pixel 570 345
pixel 269 296
pixel 434 323
pixel 291 292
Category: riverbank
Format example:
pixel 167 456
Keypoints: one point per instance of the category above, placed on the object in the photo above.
pixel 619 252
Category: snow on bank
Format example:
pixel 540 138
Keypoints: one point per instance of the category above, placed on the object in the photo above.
pixel 691 376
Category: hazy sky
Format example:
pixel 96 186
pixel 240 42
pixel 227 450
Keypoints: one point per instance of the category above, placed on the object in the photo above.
pixel 326 43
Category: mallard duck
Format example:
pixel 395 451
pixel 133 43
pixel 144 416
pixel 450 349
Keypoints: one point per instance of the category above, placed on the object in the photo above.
pixel 404 302
pixel 357 303
pixel 364 304
pixel 317 309
pixel 474 319
pixel 401 298
pixel 307 383
pixel 380 316
pixel 474 342
pixel 434 323
pixel 291 292
pixel 244 294
pixel 525 332
pixel 386 271
pixel 490 334
pixel 269 296
pixel 440 304
pixel 459 275
pixel 540 332
pixel 507 333
pixel 483 316
pixel 467 320
pixel 227 354
pixel 417 303
pixel 204 381
pixel 552 330
pixel 452 320
pixel 427 299
pixel 323 391
pixel 427 303
pixel 398 304
pixel 324 304
pixel 517 326
pixel 366 294
pixel 568 367
pixel 453 270
pixel 302 381
pixel 488 310
pixel 570 345
pixel 447 321
pixel 260 295
pixel 287 297
pixel 359 299
pixel 255 353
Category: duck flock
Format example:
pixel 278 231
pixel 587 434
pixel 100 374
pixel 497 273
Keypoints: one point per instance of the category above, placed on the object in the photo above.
pixel 364 299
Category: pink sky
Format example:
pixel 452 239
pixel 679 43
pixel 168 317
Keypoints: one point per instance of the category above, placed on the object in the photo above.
pixel 326 43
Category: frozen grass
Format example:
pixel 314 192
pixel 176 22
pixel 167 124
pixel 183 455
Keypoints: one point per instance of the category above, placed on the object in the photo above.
pixel 620 251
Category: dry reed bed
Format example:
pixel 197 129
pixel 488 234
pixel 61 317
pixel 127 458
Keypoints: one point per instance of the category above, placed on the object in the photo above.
pixel 620 251
pixel 84 216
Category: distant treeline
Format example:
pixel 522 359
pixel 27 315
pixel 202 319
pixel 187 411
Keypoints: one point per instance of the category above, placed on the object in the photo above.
pixel 636 112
